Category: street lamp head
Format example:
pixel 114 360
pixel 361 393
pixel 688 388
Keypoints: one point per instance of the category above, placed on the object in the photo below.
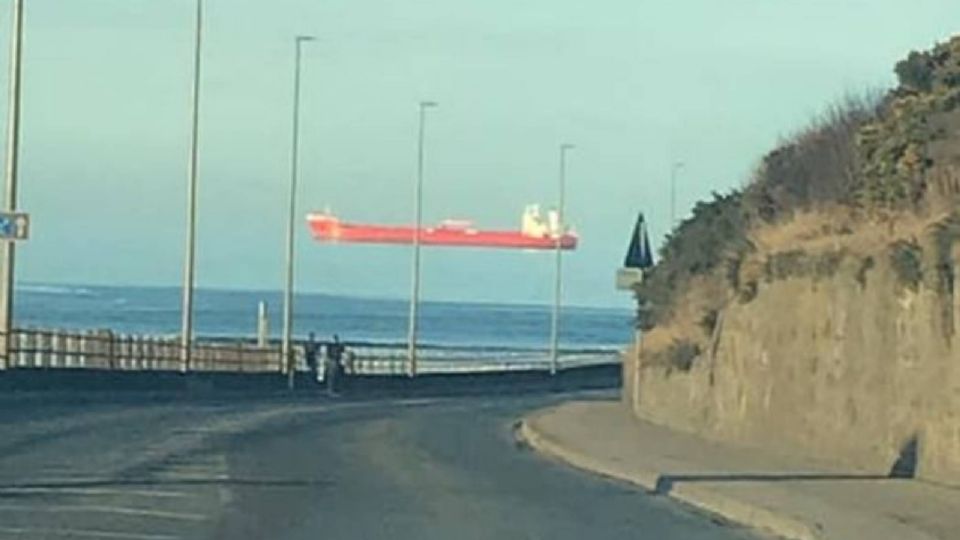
pixel 428 104
pixel 304 38
pixel 566 146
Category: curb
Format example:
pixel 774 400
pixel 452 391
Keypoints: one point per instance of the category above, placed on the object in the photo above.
pixel 705 499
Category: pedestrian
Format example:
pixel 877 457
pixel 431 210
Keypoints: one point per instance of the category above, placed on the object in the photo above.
pixel 311 350
pixel 334 365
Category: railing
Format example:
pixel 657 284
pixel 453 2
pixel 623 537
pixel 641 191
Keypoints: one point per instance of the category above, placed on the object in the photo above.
pixel 107 350
pixel 392 360
pixel 103 349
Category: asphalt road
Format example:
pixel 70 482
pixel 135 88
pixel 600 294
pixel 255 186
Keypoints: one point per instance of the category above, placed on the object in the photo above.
pixel 280 469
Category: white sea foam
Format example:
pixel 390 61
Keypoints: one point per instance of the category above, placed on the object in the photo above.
pixel 55 290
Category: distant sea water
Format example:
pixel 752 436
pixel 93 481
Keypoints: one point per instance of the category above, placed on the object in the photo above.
pixel 233 313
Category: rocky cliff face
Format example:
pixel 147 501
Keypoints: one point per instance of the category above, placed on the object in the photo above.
pixel 814 310
pixel 859 364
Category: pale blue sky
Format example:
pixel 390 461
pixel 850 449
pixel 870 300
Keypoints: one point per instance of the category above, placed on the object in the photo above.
pixel 635 84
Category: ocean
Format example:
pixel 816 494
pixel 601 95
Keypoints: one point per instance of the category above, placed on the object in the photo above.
pixel 233 313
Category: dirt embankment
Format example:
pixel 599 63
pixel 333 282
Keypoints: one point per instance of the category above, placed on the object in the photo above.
pixel 846 349
pixel 816 311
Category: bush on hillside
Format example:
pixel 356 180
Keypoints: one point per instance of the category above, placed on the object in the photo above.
pixel 896 148
pixel 907 261
pixel 681 355
pixel 700 245
pixel 818 165
pixel 874 151
pixel 916 71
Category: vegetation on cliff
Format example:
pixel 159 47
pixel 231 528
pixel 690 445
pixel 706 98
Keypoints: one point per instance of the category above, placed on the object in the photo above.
pixel 867 161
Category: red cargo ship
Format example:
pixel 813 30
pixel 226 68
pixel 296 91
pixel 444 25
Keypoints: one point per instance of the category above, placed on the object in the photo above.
pixel 534 233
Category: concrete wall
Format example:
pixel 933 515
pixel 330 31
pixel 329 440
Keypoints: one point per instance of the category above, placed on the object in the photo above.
pixel 839 368
pixel 112 382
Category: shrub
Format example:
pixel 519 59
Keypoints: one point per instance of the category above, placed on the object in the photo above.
pixel 907 261
pixel 709 321
pixel 785 264
pixel 866 265
pixel 916 71
pixel 700 245
pixel 945 235
pixel 681 355
pixel 820 164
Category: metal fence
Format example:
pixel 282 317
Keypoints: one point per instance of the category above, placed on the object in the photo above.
pixel 104 349
pixel 392 359
pixel 108 350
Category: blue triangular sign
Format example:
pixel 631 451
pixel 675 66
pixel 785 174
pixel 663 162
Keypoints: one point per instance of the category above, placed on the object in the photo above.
pixel 639 254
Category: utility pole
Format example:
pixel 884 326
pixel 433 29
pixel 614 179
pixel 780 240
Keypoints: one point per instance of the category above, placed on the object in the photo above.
pixel 286 348
pixel 558 287
pixel 418 222
pixel 12 169
pixel 189 260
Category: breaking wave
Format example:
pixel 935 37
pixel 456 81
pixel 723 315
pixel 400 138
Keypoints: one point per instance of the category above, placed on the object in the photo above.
pixel 55 290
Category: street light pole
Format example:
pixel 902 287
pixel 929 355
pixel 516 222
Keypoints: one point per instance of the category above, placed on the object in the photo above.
pixel 558 237
pixel 418 220
pixel 677 165
pixel 12 168
pixel 286 350
pixel 189 261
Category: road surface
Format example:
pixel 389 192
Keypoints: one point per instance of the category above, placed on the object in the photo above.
pixel 306 468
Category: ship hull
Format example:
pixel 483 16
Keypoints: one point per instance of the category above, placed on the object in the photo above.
pixel 325 229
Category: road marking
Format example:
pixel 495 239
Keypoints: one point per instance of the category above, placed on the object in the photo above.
pixel 83 533
pixel 191 477
pixel 92 492
pixel 192 468
pixel 416 402
pixel 123 510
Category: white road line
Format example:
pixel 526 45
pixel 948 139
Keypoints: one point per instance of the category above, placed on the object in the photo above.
pixel 201 467
pixel 416 402
pixel 123 510
pixel 190 476
pixel 84 533
pixel 93 492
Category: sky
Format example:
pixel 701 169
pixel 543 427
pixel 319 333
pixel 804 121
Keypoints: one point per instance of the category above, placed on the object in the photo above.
pixel 636 85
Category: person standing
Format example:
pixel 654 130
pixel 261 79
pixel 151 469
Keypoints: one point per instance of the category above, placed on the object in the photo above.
pixel 334 365
pixel 311 350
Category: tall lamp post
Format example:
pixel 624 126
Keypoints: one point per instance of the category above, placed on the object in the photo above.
pixel 674 170
pixel 285 349
pixel 418 220
pixel 189 260
pixel 12 168
pixel 558 236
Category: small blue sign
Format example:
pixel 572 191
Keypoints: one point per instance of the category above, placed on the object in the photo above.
pixel 14 226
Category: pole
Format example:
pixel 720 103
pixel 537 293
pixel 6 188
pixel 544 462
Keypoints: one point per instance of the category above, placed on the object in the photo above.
pixel 12 168
pixel 558 289
pixel 263 325
pixel 189 260
pixel 286 350
pixel 677 165
pixel 418 221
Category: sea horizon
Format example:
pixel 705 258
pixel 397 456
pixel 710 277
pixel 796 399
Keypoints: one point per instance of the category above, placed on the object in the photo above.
pixel 52 287
pixel 221 312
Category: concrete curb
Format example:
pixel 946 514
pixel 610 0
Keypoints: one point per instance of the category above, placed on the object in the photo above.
pixel 703 498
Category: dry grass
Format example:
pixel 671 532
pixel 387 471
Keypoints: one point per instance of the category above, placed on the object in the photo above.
pixel 844 229
pixel 816 232
pixel 704 294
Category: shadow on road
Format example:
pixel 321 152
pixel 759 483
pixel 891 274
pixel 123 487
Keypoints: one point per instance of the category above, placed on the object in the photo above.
pixel 666 483
pixel 904 468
